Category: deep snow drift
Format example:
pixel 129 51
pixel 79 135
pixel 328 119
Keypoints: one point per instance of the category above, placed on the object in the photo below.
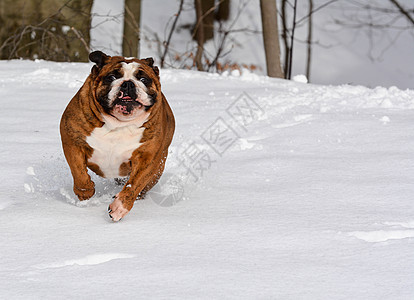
pixel 273 189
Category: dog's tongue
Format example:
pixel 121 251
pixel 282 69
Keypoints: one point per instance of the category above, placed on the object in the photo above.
pixel 126 97
pixel 127 104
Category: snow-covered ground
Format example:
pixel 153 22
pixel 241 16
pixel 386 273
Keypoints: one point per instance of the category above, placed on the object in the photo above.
pixel 292 191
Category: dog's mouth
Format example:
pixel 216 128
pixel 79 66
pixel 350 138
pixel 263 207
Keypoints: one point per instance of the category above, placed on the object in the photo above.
pixel 125 105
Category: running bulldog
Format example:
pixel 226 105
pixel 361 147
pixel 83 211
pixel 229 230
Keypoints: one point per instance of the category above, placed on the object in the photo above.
pixel 119 125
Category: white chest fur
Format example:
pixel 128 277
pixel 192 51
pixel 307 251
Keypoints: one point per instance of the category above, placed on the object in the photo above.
pixel 113 145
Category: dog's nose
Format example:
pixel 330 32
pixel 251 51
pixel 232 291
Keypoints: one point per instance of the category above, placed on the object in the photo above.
pixel 128 87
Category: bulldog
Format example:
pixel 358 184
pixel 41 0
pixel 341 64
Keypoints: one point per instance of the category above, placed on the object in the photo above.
pixel 119 125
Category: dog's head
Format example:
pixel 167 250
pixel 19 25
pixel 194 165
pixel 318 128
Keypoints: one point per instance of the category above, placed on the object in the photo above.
pixel 125 87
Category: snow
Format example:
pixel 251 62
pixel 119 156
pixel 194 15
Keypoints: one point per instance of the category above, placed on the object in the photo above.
pixel 300 78
pixel 308 197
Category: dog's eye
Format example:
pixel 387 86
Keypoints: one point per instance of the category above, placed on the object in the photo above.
pixel 144 80
pixel 111 77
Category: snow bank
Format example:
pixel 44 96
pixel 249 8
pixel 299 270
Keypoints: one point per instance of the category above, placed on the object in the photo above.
pixel 307 194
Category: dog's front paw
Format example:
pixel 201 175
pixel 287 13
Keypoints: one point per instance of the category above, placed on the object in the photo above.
pixel 84 192
pixel 117 209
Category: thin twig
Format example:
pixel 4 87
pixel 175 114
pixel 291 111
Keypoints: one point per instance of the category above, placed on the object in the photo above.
pixel 167 43
pixel 403 11
pixel 311 12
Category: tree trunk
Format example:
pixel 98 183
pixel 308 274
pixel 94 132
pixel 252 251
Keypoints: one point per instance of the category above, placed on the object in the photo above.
pixel 208 19
pixel 285 33
pixel 271 38
pixel 132 19
pixel 49 29
pixel 223 12
pixel 292 40
pixel 77 13
pixel 199 35
pixel 205 15
pixel 309 41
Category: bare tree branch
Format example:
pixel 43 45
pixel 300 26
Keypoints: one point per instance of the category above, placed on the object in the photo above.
pixel 220 48
pixel 402 10
pixel 311 12
pixel 80 37
pixel 167 43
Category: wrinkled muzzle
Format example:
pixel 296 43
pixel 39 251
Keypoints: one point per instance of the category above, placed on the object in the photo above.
pixel 127 98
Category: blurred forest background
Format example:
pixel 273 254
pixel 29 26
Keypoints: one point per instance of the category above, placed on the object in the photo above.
pixel 329 41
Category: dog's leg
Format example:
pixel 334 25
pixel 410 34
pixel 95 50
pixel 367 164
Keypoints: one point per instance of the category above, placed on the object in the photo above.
pixel 83 186
pixel 144 171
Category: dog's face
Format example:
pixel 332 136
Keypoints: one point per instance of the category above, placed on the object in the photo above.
pixel 125 88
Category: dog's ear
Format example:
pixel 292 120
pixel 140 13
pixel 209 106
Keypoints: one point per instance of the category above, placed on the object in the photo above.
pixel 150 62
pixel 99 58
